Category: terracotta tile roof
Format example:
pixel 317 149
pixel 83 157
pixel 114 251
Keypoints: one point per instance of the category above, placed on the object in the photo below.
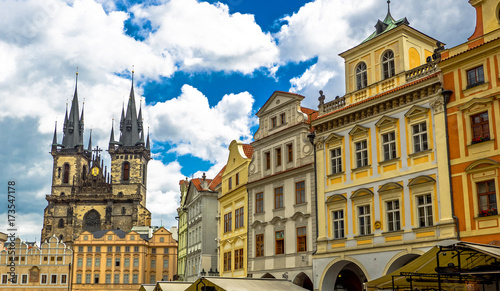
pixel 380 95
pixel 248 149
pixel 217 180
pixel 311 113
pixel 197 183
pixel 484 43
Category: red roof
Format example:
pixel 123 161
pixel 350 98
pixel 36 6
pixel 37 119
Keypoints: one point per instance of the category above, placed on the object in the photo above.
pixel 380 95
pixel 197 183
pixel 248 149
pixel 311 113
pixel 217 180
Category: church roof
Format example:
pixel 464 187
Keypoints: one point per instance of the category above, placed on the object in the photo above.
pixel 73 125
pixel 389 23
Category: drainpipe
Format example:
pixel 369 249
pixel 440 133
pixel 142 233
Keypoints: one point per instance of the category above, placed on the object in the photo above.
pixel 311 137
pixel 446 94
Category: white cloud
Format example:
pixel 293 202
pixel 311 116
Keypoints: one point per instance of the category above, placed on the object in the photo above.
pixel 193 127
pixel 202 36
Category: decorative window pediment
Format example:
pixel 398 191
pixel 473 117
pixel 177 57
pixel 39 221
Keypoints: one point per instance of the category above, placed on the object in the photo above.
pixel 277 220
pixel 359 130
pixel 334 138
pixel 336 198
pixel 420 180
pixel 416 111
pixel 386 121
pixel 476 104
pixel 258 223
pixel 300 214
pixel 389 187
pixel 481 165
pixel 361 193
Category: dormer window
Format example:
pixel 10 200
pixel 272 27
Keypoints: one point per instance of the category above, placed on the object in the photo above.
pixel 361 76
pixel 388 64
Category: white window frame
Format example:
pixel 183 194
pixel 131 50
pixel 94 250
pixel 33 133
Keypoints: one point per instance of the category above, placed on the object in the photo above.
pixel 336 160
pixel 24 276
pixel 364 226
pixel 46 280
pixel 425 206
pixel 422 136
pixel 391 213
pixel 51 276
pixel 361 154
pixel 61 279
pixel 389 149
pixel 336 230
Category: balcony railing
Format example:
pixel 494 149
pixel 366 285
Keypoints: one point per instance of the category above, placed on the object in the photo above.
pixel 337 103
pixel 421 71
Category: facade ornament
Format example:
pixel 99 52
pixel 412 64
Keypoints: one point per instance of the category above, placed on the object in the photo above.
pixel 437 104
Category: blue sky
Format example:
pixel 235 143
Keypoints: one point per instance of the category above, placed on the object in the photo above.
pixel 202 70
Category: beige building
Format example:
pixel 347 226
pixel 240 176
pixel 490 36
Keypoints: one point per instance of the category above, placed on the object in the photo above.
pixel 116 260
pixel 41 268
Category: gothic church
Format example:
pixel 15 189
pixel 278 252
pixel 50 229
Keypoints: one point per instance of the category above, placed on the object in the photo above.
pixel 85 195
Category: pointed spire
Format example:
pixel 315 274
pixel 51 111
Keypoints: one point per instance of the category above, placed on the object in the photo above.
pixel 90 141
pixel 73 131
pixel 54 140
pixel 147 142
pixel 130 126
pixel 388 18
pixel 112 137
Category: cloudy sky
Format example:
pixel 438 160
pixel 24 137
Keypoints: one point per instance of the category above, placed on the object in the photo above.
pixel 202 70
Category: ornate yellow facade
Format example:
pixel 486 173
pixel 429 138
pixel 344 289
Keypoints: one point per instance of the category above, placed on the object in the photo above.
pixel 233 212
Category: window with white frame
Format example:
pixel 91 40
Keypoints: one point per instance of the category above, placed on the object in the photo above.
pixel 361 76
pixel 24 279
pixel 53 279
pixel 364 220
pixel 338 223
pixel 393 215
pixel 361 154
pixel 389 145
pixel 424 210
pixel 44 279
pixel 336 159
pixel 487 198
pixel 388 69
pixel 64 279
pixel 4 279
pixel 420 137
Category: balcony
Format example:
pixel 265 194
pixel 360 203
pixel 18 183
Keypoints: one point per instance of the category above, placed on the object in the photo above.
pixel 421 71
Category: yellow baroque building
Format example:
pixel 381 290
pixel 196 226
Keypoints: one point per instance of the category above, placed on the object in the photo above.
pixel 116 260
pixel 382 199
pixel 233 212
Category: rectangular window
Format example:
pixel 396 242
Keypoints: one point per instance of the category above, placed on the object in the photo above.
pixel 301 239
pixel 393 215
pixel 89 249
pixel 282 118
pixel 237 179
pixel 475 77
pixel 228 221
pixel 259 245
pixel 165 263
pixel 88 278
pixel 273 122
pixel 53 279
pixel 125 278
pixel 136 249
pixel 239 218
pixel 96 278
pixel 165 250
pixel 108 278
pixel 420 137
pixel 117 262
pixel 89 262
pixel 117 249
pixel 338 223
pixel 135 279
pixel 300 192
pixel 361 154
pixel 230 183
pixel 98 249
pixel 227 261
pixel 24 279
pixel 424 210
pixel 389 145
pixel 289 149
pixel 487 198
pixel 79 262
pixel 278 197
pixel 110 249
pixel 127 249
pixel 278 157
pixel 116 280
pixel 259 202
pixel 280 242
pixel 64 279
pixel 126 262
pixel 153 264
pixel 4 279
pixel 153 250
pixel 108 262
pixel 480 127
pixel 136 262
pixel 336 159
pixel 238 259
pixel 364 220
pixel 152 279
pixel 97 262
pixel 80 249
pixel 78 278
pixel 268 160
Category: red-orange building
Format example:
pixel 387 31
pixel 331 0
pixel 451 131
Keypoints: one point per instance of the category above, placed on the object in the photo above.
pixel 471 81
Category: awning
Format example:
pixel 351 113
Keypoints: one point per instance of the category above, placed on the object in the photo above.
pixel 448 264
pixel 245 284
pixel 172 286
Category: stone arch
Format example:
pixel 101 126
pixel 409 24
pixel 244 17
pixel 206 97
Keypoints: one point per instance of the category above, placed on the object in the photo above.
pixel 303 281
pixel 347 267
pixel 92 221
pixel 268 275
pixel 400 260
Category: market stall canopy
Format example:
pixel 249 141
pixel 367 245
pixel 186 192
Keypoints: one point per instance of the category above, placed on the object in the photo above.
pixel 242 284
pixel 449 264
pixel 172 286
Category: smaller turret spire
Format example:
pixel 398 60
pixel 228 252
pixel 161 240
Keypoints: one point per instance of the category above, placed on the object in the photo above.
pixel 147 142
pixel 54 140
pixel 90 140
pixel 112 137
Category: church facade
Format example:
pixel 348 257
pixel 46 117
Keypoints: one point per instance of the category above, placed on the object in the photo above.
pixel 85 196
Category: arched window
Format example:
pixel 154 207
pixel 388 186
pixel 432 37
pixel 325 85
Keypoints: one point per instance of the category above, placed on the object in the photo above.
pixel 84 172
pixel 126 171
pixel 66 174
pixel 388 64
pixel 60 224
pixel 61 238
pixel 92 221
pixel 361 76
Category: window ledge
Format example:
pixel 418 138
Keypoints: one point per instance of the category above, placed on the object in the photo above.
pixel 259 213
pixel 300 204
pixel 486 217
pixel 476 85
pixel 391 161
pixel 360 169
pixel 393 233
pixel 278 209
pixel 420 153
pixel 424 228
pixel 335 175
pixel 364 236
pixel 481 142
